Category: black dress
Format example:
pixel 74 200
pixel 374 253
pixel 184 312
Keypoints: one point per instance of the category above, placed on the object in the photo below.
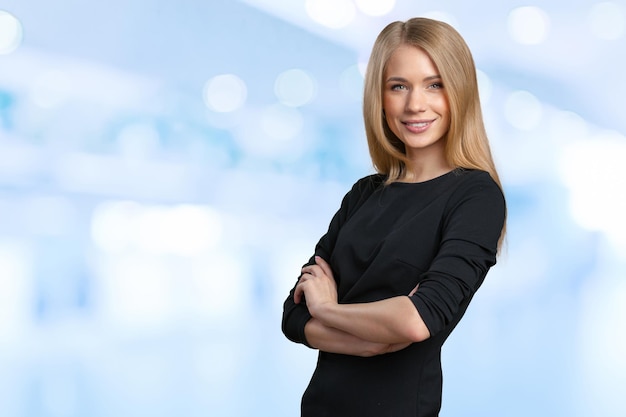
pixel 442 234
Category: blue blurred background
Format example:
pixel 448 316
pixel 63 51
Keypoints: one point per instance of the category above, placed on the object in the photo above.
pixel 166 167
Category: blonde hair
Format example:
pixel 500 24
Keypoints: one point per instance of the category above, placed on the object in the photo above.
pixel 466 143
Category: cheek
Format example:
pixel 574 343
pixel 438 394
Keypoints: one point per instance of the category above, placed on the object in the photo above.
pixel 444 112
pixel 442 107
pixel 390 119
pixel 386 104
pixel 387 110
pixel 390 107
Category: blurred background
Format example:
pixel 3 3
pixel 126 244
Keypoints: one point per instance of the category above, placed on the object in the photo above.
pixel 167 167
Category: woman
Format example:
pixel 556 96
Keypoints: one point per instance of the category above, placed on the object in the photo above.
pixel 410 245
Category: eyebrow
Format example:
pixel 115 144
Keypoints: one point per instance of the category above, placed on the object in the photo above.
pixel 400 79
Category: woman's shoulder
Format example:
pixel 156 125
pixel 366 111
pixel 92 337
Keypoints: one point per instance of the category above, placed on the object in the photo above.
pixel 478 204
pixel 369 183
pixel 363 188
pixel 468 176
pixel 476 183
pixel 472 184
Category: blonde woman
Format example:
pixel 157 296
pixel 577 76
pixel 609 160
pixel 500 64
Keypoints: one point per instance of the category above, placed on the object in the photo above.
pixel 411 244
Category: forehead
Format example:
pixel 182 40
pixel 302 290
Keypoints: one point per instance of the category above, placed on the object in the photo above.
pixel 408 59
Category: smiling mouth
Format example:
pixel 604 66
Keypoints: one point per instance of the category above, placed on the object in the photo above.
pixel 418 124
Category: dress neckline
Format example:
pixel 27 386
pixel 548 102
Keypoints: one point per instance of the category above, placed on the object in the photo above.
pixel 454 171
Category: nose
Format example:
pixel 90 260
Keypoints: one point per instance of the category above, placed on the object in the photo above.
pixel 416 101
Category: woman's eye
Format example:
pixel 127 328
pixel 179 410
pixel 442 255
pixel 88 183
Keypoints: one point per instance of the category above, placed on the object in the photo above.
pixel 436 86
pixel 396 87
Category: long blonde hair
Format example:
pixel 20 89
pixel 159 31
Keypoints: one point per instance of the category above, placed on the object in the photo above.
pixel 466 143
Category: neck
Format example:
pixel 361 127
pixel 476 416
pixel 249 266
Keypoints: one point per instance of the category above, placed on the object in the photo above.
pixel 421 175
pixel 425 167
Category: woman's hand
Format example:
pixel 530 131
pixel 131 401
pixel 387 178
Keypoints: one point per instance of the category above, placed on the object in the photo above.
pixel 317 284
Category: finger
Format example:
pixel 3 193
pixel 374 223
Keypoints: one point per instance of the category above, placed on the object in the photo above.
pixel 311 270
pixel 297 294
pixel 324 265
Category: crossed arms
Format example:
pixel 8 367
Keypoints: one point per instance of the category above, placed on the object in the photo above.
pixel 362 329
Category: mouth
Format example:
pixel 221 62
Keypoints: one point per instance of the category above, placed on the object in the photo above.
pixel 418 126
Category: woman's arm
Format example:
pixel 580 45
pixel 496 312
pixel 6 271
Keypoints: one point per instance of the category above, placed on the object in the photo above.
pixel 390 321
pixel 296 315
pixel 329 339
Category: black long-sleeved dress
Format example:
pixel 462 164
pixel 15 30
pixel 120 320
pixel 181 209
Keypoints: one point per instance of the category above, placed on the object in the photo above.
pixel 383 241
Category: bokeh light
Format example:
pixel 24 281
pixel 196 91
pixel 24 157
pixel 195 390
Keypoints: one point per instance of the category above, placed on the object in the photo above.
pixel 10 32
pixel 592 170
pixel 225 93
pixel 334 14
pixel 294 88
pixel 528 25
pixel 182 230
pixel 375 7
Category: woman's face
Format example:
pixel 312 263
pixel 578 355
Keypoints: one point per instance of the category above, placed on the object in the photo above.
pixel 415 102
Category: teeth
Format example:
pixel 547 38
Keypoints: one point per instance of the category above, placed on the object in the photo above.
pixel 423 124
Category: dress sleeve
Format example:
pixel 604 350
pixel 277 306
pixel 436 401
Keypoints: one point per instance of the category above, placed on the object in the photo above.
pixel 471 229
pixel 295 316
